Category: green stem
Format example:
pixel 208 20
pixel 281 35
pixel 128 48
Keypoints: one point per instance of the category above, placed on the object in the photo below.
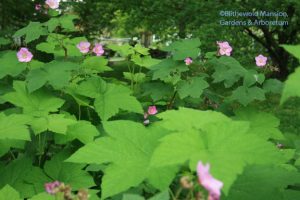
pixel 171 193
pixel 39 148
pixel 178 193
pixel 171 102
pixel 131 74
pixel 79 112
pixel 137 77
pixel 12 155
pixel 89 114
pixel 190 195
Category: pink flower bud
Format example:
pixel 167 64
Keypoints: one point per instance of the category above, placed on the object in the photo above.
pixel 38 7
pixel 98 49
pixel 24 55
pixel 84 47
pixel 261 60
pixel 152 110
pixel 188 61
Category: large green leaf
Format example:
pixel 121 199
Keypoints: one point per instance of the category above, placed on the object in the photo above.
pixel 160 196
pixel 263 182
pixel 84 131
pixel 145 61
pixel 141 50
pixel 37 103
pixel 168 70
pixel 57 74
pixel 64 21
pixel 109 98
pixel 157 90
pixel 68 173
pixel 264 125
pixel 6 144
pixel 291 86
pixel 9 193
pixel 57 123
pixel 60 45
pixel 252 77
pixel 137 77
pixel 273 86
pixel 32 31
pixel 128 150
pixel 124 50
pixel 245 95
pixel 226 145
pixel 43 196
pixel 189 119
pixel 132 197
pixel 227 69
pixel 192 87
pixel 184 48
pixel 10 64
pixel 37 178
pixel 15 174
pixel 293 49
pixel 96 63
pixel 14 127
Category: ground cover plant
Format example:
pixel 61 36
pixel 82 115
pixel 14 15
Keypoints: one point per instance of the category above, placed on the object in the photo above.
pixel 186 126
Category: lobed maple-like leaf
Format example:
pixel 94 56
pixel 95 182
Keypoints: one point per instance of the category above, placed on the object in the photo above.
pixel 245 95
pixel 7 192
pixel 68 173
pixel 38 103
pixel 33 31
pixel 57 74
pixel 182 49
pixel 291 86
pixel 227 70
pixel 10 64
pixel 225 144
pixel 262 182
pixel 127 151
pixel 192 87
pixel 264 125
pixel 109 98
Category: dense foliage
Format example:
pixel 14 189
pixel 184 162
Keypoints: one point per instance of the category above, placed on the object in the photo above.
pixel 189 126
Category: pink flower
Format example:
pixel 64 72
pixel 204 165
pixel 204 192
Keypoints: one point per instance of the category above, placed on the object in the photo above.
pixel 52 187
pixel 53 4
pixel 188 61
pixel 24 55
pixel 98 49
pixel 152 110
pixel 38 7
pixel 84 47
pixel 212 185
pixel 224 48
pixel 261 60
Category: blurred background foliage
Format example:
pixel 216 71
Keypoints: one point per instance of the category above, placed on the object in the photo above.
pixel 156 22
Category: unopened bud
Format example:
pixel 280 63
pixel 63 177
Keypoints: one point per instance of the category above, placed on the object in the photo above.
pixel 186 182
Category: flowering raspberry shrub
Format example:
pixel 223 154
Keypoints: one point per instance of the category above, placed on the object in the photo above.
pixel 78 127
